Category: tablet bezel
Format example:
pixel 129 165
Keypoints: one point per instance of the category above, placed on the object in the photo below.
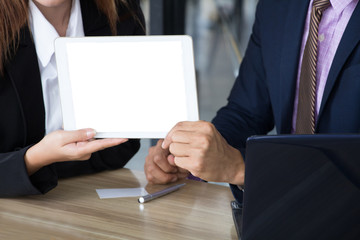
pixel 66 90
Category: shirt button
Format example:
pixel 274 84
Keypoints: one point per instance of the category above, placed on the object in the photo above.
pixel 321 37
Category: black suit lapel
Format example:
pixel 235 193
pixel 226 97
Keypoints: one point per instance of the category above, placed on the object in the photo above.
pixel 290 53
pixel 347 44
pixel 24 73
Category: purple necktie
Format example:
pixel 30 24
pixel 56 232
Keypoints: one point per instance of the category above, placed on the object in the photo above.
pixel 305 121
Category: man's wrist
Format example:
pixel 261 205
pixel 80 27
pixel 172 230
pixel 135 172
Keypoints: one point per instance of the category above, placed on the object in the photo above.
pixel 239 169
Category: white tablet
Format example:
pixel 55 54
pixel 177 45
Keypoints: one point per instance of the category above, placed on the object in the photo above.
pixel 126 87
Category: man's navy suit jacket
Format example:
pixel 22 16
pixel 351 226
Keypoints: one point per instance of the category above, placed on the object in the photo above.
pixel 263 95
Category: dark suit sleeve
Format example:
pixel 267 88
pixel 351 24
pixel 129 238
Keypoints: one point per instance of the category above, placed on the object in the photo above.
pixel 15 180
pixel 248 111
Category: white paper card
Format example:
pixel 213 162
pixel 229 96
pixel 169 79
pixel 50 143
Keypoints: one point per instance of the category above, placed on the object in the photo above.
pixel 121 192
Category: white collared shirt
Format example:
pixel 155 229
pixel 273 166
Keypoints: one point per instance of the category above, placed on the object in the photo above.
pixel 44 35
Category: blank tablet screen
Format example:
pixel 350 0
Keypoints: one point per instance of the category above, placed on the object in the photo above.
pixel 131 87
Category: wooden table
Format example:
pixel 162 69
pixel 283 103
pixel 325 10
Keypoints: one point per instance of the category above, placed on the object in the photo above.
pixel 74 211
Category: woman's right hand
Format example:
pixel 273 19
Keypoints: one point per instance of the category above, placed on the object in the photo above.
pixel 61 146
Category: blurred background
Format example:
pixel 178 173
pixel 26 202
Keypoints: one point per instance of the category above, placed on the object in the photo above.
pixel 220 30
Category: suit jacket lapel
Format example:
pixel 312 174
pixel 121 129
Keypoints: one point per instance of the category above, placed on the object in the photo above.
pixel 23 70
pixel 290 53
pixel 347 44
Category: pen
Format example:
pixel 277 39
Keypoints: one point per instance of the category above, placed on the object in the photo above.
pixel 163 192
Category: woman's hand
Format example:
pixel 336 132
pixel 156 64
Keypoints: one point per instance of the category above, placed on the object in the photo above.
pixel 61 146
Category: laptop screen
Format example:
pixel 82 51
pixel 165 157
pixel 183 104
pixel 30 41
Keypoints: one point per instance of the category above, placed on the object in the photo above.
pixel 302 187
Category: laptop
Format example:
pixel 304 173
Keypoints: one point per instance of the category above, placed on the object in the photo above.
pixel 302 187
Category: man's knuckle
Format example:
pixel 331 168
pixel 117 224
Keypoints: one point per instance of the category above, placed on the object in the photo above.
pixel 198 165
pixel 203 141
pixel 167 178
pixel 172 147
pixel 150 177
pixel 151 170
pixel 157 159
pixel 151 150
pixel 205 127
pixel 179 124
pixel 201 154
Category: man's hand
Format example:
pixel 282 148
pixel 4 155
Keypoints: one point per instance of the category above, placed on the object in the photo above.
pixel 160 168
pixel 200 148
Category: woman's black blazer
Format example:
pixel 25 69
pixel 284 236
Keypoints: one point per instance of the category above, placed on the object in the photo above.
pixel 22 118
